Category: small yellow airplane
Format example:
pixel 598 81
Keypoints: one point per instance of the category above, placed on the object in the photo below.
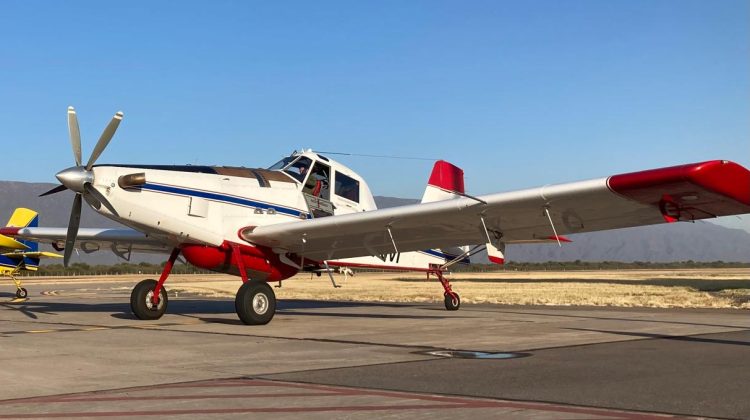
pixel 21 255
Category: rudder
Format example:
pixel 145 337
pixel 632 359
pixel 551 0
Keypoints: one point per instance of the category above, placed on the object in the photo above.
pixel 446 182
pixel 21 218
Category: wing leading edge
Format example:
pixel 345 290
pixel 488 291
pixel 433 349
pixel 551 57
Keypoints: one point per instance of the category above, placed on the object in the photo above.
pixel 119 241
pixel 687 192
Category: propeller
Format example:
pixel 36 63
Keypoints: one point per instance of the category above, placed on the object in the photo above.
pixel 80 179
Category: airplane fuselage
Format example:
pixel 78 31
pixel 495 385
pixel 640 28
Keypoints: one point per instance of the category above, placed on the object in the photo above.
pixel 201 210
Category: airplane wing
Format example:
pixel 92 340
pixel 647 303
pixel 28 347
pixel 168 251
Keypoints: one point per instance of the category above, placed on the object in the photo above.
pixel 119 241
pixel 31 254
pixel 680 193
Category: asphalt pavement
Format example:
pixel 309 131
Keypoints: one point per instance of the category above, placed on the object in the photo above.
pixel 74 350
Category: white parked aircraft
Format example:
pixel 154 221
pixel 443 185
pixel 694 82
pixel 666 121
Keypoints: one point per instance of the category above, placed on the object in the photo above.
pixel 308 212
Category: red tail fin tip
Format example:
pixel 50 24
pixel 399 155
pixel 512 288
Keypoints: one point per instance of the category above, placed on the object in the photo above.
pixel 447 176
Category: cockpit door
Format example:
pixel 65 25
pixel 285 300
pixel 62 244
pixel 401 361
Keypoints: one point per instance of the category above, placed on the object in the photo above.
pixel 316 189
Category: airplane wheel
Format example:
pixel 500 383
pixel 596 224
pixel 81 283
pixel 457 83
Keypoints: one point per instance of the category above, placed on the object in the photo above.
pixel 452 302
pixel 255 303
pixel 21 293
pixel 141 302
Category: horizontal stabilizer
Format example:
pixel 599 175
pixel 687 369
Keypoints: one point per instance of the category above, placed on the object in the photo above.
pixel 495 255
pixel 31 254
pixel 10 243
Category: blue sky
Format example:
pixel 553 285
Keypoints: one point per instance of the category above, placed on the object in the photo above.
pixel 519 94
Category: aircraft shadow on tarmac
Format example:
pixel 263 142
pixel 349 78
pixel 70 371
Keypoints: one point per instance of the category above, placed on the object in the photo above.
pixel 191 307
pixel 667 337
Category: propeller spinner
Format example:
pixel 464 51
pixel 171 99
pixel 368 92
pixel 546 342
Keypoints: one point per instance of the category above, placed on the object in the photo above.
pixel 80 179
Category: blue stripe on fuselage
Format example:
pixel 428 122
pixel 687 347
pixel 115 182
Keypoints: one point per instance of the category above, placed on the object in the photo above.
pixel 209 195
pixel 447 257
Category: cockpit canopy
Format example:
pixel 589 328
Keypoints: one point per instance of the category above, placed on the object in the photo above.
pixel 295 166
pixel 317 173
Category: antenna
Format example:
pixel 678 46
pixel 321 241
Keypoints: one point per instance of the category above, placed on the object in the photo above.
pixel 376 156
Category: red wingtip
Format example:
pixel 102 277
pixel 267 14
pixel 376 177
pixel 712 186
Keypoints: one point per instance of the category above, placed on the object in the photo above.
pixel 447 176
pixel 705 189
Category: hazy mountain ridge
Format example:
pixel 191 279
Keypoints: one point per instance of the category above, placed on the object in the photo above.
pixel 700 241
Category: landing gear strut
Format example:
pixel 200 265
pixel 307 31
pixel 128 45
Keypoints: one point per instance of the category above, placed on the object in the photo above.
pixel 148 300
pixel 21 293
pixel 451 298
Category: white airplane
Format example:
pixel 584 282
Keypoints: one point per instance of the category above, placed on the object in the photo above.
pixel 308 212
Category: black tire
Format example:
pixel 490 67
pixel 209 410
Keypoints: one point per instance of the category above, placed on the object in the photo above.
pixel 21 293
pixel 452 302
pixel 141 303
pixel 255 303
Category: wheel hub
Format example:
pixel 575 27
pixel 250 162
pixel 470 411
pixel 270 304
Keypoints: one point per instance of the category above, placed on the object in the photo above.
pixel 260 303
pixel 150 301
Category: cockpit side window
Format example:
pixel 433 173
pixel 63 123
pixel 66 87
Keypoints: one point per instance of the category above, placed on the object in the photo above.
pixel 299 168
pixel 347 187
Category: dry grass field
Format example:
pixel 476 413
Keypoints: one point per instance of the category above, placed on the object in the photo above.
pixel 697 288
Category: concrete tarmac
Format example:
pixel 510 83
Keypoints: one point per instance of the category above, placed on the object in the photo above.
pixel 74 350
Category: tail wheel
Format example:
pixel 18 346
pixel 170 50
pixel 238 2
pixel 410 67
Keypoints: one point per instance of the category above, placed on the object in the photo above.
pixel 255 303
pixel 21 293
pixel 452 301
pixel 142 303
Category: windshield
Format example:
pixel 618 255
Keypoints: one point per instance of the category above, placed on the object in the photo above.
pixel 296 166
pixel 299 168
pixel 282 163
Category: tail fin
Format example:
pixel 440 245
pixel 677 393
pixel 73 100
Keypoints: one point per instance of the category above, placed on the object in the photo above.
pixel 446 182
pixel 22 218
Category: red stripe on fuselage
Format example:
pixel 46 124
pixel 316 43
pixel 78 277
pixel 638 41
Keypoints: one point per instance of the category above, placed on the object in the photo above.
pixel 379 267
pixel 9 231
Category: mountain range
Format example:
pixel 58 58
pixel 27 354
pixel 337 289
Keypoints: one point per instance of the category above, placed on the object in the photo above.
pixel 700 241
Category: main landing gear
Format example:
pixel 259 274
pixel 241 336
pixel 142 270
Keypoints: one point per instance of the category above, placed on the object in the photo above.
pixel 255 302
pixel 451 299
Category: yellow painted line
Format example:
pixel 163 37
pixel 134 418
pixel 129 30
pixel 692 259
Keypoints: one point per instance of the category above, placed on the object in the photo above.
pixel 96 328
pixel 40 331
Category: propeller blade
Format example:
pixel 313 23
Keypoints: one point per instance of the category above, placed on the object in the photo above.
pixel 75 221
pixel 106 136
pixel 99 197
pixel 55 190
pixel 93 202
pixel 75 134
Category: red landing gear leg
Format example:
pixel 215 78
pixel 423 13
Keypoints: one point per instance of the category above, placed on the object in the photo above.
pixel 255 301
pixel 164 274
pixel 452 300
pixel 237 256
pixel 149 298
